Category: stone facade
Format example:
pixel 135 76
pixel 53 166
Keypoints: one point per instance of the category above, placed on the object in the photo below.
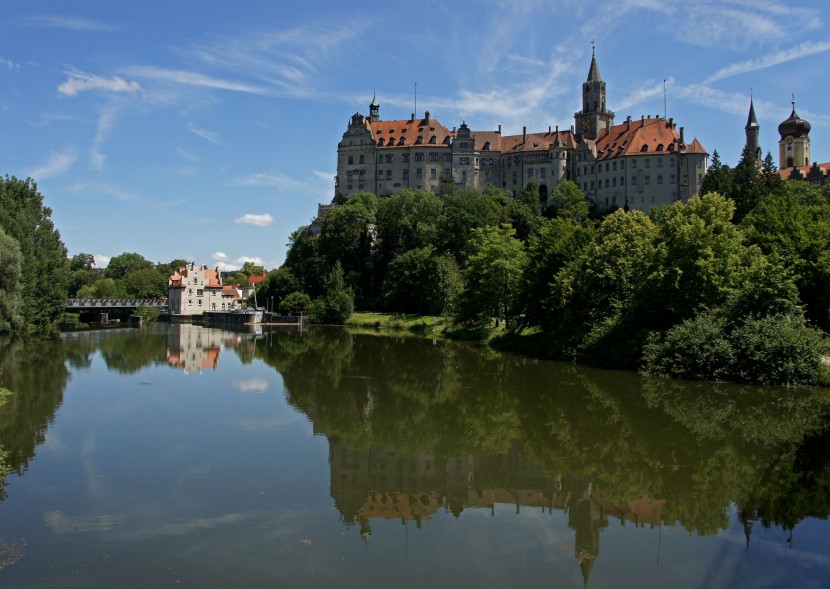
pixel 194 290
pixel 639 164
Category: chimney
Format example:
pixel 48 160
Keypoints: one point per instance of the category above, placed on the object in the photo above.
pixel 548 129
pixel 557 129
pixel 607 125
pixel 682 141
pixel 628 123
pixel 671 122
pixel 524 134
pixel 499 129
pixel 426 117
pixel 412 118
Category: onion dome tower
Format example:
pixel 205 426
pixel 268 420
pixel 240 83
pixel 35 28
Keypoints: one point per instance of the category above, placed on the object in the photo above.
pixel 794 145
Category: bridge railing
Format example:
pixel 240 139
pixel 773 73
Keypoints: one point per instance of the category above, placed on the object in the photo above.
pixel 114 303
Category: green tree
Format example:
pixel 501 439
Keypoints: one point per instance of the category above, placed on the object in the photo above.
pixel 492 275
pixel 749 187
pixel 718 178
pixel 337 303
pixel 305 262
pixel 104 288
pixel 295 303
pixel 277 285
pixel 464 210
pixel 145 283
pixel 11 269
pixel 250 269
pixel 44 277
pixel 407 221
pixel 421 281
pixel 121 265
pixel 568 202
pixel 530 196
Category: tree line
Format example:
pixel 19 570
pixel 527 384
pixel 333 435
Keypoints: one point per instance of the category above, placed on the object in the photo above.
pixel 732 285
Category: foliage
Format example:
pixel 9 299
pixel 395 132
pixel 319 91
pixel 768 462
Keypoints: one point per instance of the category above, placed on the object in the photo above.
pixel 492 275
pixel 123 264
pixel 44 273
pixel 774 349
pixel 718 177
pixel 145 283
pixel 337 303
pixel 568 202
pixel 277 285
pixel 11 262
pixel 420 281
pixel 104 288
pixel 295 303
pixel 530 196
pixel 147 314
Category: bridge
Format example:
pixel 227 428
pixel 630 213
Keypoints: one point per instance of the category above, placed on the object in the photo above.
pixel 104 305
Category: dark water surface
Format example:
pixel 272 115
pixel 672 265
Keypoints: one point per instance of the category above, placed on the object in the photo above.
pixel 189 457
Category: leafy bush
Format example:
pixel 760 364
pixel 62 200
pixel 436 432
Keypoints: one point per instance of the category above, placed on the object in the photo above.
pixel 696 349
pixel 296 303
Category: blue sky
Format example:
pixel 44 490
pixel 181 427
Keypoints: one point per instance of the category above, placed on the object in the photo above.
pixel 208 130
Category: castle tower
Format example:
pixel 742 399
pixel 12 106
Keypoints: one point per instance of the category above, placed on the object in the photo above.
pixel 794 145
pixel 753 130
pixel 374 109
pixel 593 117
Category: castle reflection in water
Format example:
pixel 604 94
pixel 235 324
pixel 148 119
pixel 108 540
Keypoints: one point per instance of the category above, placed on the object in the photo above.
pixel 383 483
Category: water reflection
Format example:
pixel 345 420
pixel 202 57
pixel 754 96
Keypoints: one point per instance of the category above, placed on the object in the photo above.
pixel 415 428
pixel 193 348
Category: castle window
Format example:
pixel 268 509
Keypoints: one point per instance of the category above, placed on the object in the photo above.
pixel 486 146
pixel 388 174
pixel 447 157
pixel 380 174
pixel 389 158
pixel 419 157
pixel 406 174
pixel 659 162
pixel 380 158
pixel 633 163
pixel 433 140
pixel 647 179
pixel 361 160
pixel 644 148
pixel 419 173
pixel 606 182
pixel 543 173
pixel 401 141
pixel 433 157
pixel 351 160
pixel 659 147
pixel 659 178
pixel 648 162
pixel 671 162
pixel 405 157
pixel 633 180
pixel 433 173
pixel 419 140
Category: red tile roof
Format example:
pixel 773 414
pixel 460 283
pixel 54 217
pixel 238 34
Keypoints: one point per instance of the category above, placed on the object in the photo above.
pixel 804 170
pixel 655 135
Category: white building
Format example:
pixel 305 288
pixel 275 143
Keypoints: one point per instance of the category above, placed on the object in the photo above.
pixel 194 290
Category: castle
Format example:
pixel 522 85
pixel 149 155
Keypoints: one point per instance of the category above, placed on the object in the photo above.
pixel 638 164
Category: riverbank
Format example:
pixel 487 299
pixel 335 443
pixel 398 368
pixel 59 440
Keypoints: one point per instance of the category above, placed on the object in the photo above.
pixel 534 344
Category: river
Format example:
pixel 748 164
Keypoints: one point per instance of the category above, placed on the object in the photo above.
pixel 182 456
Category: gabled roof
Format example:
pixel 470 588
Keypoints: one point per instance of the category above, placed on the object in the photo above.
pixel 804 171
pixel 212 277
pixel 537 141
pixel 405 133
pixel 644 136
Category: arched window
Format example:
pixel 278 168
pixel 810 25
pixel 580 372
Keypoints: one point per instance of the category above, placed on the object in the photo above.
pixel 380 142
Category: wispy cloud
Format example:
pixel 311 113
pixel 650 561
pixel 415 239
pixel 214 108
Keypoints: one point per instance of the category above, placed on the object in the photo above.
pixel 78 82
pixel 105 121
pixel 59 162
pixel 254 385
pixel 101 261
pixel 280 181
pixel 203 133
pixel 804 50
pixel 264 220
pixel 650 90
pixel 69 23
pixel 9 65
pixel 191 157
pixel 189 78
pixel 96 189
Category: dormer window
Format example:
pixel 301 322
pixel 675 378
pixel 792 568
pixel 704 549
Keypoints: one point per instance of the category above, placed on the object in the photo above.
pixel 380 142
pixel 433 140
pixel 644 148
pixel 401 141
pixel 486 146
pixel 419 140
pixel 659 147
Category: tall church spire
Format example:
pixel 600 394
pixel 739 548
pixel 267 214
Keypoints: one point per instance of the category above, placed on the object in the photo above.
pixel 374 109
pixel 753 131
pixel 594 117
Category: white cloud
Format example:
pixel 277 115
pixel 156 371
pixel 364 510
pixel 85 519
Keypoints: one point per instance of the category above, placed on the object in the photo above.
pixel 255 385
pixel 78 82
pixel 193 79
pixel 203 133
pixel 280 181
pixel 59 162
pixel 226 265
pixel 10 65
pixel 53 21
pixel 804 50
pixel 643 94
pixel 101 261
pixel 326 176
pixel 264 220
pixel 104 124
pixel 187 155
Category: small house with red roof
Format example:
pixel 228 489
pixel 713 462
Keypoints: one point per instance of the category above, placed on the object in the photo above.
pixel 192 290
